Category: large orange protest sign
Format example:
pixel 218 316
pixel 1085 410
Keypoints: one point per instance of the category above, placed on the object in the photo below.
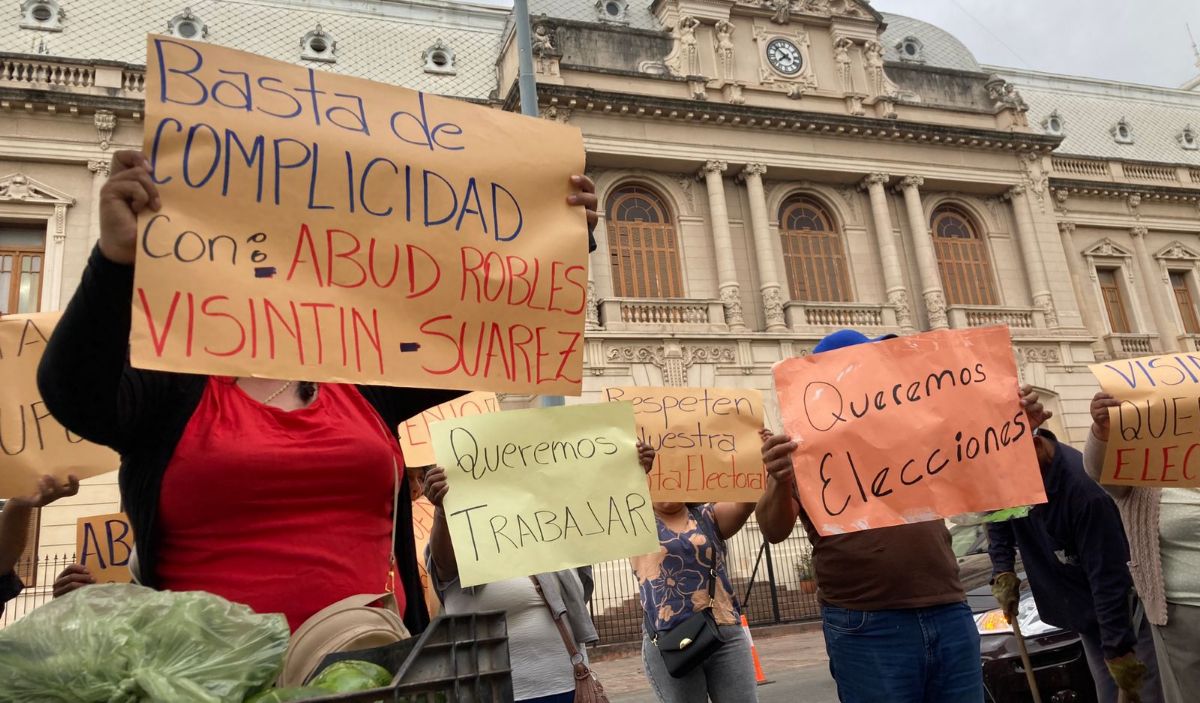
pixel 414 433
pixel 706 441
pixel 104 544
pixel 909 429
pixel 32 442
pixel 1154 434
pixel 325 227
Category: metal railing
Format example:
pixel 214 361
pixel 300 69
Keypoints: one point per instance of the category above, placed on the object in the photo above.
pixel 772 582
pixel 41 572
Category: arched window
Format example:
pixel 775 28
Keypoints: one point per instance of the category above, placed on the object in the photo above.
pixel 812 253
pixel 963 260
pixel 642 244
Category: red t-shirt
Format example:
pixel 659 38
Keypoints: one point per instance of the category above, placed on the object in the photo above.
pixel 286 512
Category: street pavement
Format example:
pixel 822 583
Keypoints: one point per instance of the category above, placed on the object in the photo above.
pixel 793 659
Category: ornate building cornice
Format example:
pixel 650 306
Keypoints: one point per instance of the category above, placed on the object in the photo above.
pixel 651 107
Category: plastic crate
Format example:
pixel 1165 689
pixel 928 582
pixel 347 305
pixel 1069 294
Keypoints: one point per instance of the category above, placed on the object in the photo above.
pixel 457 659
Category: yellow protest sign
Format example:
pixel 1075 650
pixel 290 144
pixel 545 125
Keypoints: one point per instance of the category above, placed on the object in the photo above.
pixel 32 442
pixel 706 441
pixel 414 433
pixel 1154 434
pixel 104 544
pixel 541 490
pixel 909 429
pixel 325 227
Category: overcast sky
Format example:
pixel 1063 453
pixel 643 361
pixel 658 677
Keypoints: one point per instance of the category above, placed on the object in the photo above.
pixel 1143 41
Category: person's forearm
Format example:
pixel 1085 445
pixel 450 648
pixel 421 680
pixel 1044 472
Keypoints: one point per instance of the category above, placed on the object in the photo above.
pixel 732 516
pixel 776 511
pixel 14 531
pixel 442 549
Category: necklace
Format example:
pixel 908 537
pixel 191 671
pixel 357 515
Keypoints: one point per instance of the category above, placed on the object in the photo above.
pixel 276 394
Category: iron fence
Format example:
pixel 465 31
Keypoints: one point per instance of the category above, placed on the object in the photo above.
pixel 774 584
pixel 38 575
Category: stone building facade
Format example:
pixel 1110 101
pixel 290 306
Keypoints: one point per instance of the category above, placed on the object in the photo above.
pixel 769 170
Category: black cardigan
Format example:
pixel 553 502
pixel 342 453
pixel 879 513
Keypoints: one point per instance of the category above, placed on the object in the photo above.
pixel 88 385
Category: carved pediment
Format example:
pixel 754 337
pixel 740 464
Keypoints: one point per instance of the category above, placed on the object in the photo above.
pixel 1107 247
pixel 1176 251
pixel 17 187
pixel 782 11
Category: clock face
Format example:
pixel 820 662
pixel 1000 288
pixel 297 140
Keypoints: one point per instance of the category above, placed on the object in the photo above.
pixel 784 57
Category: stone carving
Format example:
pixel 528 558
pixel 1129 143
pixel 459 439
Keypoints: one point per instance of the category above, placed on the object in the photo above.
pixel 879 83
pixel 698 89
pixel 817 7
pixel 1045 303
pixel 773 307
pixel 672 358
pixel 1038 355
pixel 685 184
pixel 733 94
pixel 935 305
pixel 1107 247
pixel 684 59
pixel 898 299
pixel 781 8
pixel 557 113
pixel 592 307
pixel 911 182
pixel 873 178
pixel 105 122
pixel 732 301
pixel 18 186
pixel 714 166
pixel 1004 95
pixel 1134 201
pixel 543 40
pixel 841 55
pixel 1178 252
pixel 1139 231
pixel 724 48
pixel 99 166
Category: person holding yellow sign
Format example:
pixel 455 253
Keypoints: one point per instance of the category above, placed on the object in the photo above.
pixel 1164 550
pixel 284 495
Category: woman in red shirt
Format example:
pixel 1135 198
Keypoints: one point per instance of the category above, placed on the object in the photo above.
pixel 273 494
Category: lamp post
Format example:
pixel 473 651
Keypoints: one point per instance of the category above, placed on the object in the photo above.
pixel 527 85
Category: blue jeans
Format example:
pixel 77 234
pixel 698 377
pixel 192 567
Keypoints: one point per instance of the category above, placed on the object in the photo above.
pixel 923 655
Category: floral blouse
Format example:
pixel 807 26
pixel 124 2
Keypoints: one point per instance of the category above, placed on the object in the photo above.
pixel 674 580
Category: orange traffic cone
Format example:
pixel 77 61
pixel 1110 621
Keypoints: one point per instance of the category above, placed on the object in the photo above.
pixel 759 677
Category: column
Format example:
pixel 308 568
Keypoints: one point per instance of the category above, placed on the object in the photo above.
pixel 764 248
pixel 1066 231
pixel 1035 267
pixel 723 245
pixel 99 169
pixel 1156 288
pixel 893 273
pixel 931 282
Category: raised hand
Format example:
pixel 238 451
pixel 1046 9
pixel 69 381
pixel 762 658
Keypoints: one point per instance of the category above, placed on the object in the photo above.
pixel 777 453
pixel 48 490
pixel 128 192
pixel 646 456
pixel 1101 402
pixel 1034 410
pixel 586 198
pixel 435 486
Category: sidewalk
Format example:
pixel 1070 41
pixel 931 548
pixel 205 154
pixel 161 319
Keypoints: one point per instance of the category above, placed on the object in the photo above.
pixel 792 656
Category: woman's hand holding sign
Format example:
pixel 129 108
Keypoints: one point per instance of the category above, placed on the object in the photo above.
pixel 129 191
pixel 586 198
pixel 1034 410
pixel 1099 410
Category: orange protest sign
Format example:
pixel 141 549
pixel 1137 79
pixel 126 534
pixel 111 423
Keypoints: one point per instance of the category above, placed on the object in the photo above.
pixel 422 513
pixel 104 544
pixel 1154 434
pixel 909 429
pixel 414 433
pixel 706 441
pixel 325 227
pixel 32 442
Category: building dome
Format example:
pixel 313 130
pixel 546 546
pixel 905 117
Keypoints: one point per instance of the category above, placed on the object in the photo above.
pixel 907 40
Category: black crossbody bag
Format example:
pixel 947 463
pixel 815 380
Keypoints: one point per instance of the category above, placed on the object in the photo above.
pixel 690 643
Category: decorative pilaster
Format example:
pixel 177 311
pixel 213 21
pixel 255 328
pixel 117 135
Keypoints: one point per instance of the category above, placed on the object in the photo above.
pixel 1035 267
pixel 99 169
pixel 1156 289
pixel 1066 232
pixel 769 284
pixel 931 282
pixel 893 273
pixel 723 244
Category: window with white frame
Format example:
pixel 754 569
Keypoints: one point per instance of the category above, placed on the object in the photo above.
pixel 22 261
pixel 45 15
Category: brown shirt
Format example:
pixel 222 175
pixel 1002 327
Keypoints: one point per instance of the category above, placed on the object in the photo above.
pixel 908 566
